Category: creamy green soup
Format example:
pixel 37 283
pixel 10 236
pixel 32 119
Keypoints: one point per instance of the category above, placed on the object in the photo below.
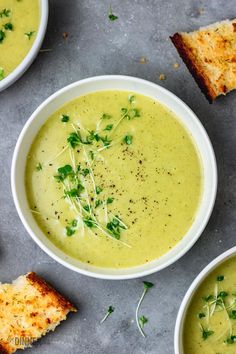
pixel 19 20
pixel 114 179
pixel 210 324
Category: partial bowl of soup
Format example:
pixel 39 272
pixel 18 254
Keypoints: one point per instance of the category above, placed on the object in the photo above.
pixel 206 322
pixel 23 25
pixel 114 177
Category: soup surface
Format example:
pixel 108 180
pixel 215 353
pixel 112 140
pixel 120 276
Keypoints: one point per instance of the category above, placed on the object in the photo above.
pixel 19 20
pixel 114 179
pixel 210 325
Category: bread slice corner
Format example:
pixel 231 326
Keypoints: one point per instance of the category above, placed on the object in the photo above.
pixel 29 308
pixel 210 55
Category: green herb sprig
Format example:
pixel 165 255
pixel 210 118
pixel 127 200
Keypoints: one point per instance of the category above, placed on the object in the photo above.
pixel 111 16
pixel 5 13
pixel 110 310
pixel 30 34
pixel 140 323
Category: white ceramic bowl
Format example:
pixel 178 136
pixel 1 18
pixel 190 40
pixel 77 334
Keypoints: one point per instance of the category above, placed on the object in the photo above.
pixel 79 88
pixel 178 341
pixel 27 61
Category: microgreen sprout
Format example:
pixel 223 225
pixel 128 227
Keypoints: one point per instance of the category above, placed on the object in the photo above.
pixel 109 312
pixel 111 16
pixel 30 34
pixel 147 285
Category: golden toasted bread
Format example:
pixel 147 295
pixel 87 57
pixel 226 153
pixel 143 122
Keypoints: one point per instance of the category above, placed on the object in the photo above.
pixel 210 55
pixel 29 308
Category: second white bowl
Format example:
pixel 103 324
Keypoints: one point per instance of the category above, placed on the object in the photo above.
pixel 27 61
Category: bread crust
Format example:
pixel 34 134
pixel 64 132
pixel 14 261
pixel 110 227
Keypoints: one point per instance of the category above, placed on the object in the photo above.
pixel 45 289
pixel 186 54
pixel 209 54
pixel 4 349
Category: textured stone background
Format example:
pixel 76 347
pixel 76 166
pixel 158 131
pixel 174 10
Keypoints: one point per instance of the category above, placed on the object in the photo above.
pixel 97 46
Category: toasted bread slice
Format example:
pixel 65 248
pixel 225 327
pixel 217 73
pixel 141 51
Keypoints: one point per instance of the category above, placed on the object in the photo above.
pixel 210 55
pixel 29 308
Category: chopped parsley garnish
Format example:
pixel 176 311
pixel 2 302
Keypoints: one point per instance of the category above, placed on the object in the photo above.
pixel 5 12
pixel 109 312
pixel 29 34
pixel 2 36
pixel 110 200
pixel 220 278
pixel 128 139
pixel 39 167
pixel 111 16
pixel 142 321
pixel 1 73
pixel 8 26
pixel 65 118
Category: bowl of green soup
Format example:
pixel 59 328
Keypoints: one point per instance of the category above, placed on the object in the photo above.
pixel 114 177
pixel 22 29
pixel 206 322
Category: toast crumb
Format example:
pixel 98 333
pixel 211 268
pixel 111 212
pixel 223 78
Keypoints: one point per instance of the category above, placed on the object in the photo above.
pixel 162 77
pixel 210 55
pixel 29 308
pixel 176 65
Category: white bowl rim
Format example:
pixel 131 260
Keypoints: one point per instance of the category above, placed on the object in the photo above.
pixel 31 55
pixel 212 192
pixel 190 293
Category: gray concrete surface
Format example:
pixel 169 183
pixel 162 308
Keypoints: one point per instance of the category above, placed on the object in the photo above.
pixel 97 46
